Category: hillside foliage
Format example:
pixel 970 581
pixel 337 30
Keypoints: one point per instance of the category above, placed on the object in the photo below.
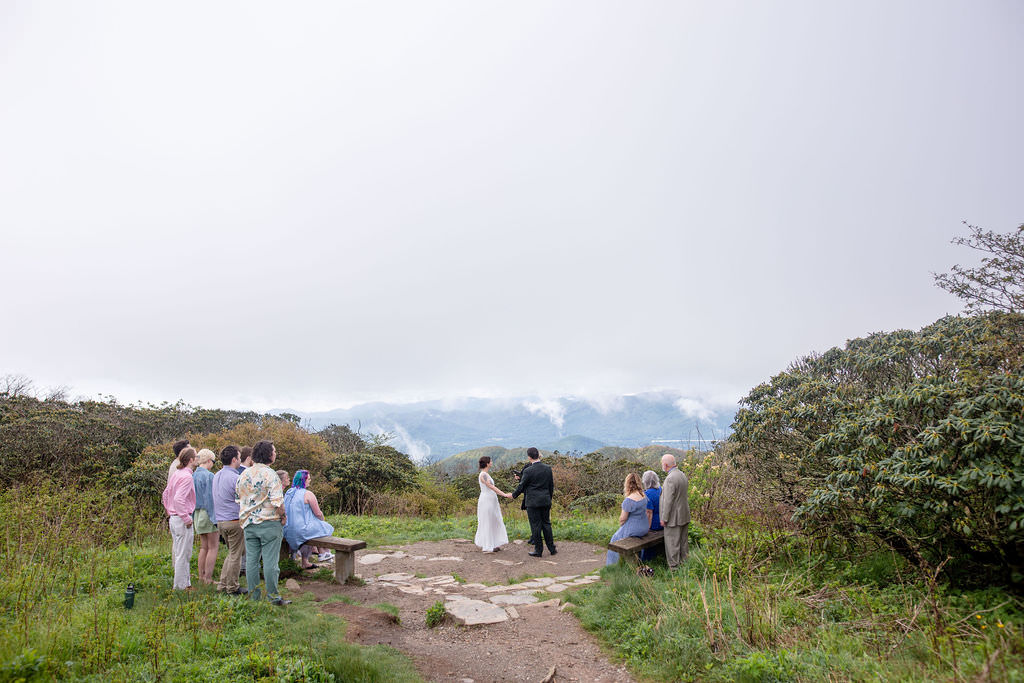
pixel 914 438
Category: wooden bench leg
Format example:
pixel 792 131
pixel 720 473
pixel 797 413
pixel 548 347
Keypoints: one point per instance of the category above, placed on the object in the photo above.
pixel 344 566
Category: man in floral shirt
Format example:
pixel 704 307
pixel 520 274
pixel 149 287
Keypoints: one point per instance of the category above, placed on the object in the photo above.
pixel 260 501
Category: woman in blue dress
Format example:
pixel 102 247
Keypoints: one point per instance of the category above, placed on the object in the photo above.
pixel 304 520
pixel 634 514
pixel 652 489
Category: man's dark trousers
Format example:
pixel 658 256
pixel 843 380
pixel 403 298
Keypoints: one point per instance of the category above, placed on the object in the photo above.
pixel 540 523
pixel 534 538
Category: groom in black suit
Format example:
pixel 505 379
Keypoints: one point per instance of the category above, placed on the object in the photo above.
pixel 538 485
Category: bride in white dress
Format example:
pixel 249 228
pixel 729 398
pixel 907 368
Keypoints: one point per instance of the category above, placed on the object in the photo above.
pixel 490 527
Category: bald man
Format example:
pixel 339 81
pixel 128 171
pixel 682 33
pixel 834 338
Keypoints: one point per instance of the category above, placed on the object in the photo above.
pixel 674 509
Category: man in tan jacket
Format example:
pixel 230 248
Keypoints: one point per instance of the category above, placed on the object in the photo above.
pixel 674 510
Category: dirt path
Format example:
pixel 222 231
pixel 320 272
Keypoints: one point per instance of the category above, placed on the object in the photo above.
pixel 536 636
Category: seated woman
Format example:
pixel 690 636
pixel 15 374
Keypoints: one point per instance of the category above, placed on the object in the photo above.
pixel 304 519
pixel 634 514
pixel 652 489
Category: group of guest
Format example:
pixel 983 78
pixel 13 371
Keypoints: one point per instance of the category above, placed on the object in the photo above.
pixel 648 506
pixel 244 504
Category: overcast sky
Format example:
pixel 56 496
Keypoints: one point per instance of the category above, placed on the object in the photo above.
pixel 267 205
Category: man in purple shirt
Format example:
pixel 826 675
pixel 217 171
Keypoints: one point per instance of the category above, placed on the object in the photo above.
pixel 226 510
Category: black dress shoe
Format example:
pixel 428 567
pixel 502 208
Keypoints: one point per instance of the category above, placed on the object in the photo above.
pixel 552 552
pixel 534 554
pixel 239 591
pixel 280 602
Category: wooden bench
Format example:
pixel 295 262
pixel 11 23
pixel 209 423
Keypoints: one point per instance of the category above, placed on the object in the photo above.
pixel 344 554
pixel 631 545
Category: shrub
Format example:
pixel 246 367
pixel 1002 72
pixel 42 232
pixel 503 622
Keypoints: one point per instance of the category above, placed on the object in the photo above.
pixel 599 502
pixel 766 667
pixel 435 614
pixel 360 477
pixel 296 449
pixel 911 437
pixel 94 440
pixel 25 668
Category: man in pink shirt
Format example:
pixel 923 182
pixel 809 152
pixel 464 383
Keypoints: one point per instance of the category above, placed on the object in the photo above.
pixel 179 500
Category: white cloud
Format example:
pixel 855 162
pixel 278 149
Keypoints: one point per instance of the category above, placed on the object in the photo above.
pixel 385 228
pixel 549 408
pixel 416 449
pixel 691 407
pixel 606 403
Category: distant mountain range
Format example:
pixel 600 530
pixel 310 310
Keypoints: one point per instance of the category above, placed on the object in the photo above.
pixel 431 430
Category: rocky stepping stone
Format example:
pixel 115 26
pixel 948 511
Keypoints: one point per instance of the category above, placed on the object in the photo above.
pixel 556 588
pixel 543 580
pixel 514 599
pixel 398 576
pixel 445 559
pixel 563 579
pixel 474 612
pixel 512 612
pixel 507 563
pixel 498 589
pixel 377 558
pixel 553 602
pixel 292 585
pixel 442 578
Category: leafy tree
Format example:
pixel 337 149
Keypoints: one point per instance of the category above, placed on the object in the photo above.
pixel 357 477
pixel 998 283
pixel 296 449
pixel 914 438
pixel 341 439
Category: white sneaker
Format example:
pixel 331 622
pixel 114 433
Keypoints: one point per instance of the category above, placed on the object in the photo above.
pixel 327 556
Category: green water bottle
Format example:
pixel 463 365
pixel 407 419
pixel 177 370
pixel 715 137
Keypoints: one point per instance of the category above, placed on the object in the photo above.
pixel 129 596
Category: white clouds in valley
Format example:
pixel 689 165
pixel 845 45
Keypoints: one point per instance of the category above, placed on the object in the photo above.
pixel 552 409
pixel 254 205
pixel 694 408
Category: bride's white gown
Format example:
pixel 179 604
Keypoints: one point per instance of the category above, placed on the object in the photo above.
pixel 490 527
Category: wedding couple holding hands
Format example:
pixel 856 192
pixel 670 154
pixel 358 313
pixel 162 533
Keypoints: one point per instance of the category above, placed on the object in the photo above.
pixel 647 506
pixel 538 485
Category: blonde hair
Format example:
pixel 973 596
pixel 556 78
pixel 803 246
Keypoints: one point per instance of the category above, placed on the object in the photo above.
pixel 185 457
pixel 632 484
pixel 205 456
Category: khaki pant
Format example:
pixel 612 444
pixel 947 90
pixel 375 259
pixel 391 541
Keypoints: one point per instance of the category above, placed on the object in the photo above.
pixel 181 552
pixel 234 536
pixel 677 544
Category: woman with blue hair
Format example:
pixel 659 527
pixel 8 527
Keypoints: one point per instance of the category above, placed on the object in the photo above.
pixel 305 521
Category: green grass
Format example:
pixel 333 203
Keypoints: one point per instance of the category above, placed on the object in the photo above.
pixel 797 618
pixel 384 530
pixel 388 608
pixel 748 606
pixel 61 612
